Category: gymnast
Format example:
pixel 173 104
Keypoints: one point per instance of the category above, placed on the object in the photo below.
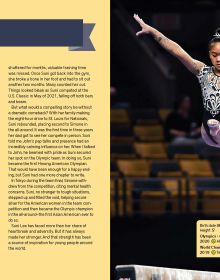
pixel 208 77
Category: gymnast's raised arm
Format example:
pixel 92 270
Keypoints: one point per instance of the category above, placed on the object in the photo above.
pixel 172 47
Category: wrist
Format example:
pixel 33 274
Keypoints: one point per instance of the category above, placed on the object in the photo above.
pixel 153 32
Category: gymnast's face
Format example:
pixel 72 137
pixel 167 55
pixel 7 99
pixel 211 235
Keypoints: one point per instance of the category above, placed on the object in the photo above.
pixel 214 54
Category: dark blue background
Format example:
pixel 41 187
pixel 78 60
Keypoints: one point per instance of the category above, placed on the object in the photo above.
pixel 47 32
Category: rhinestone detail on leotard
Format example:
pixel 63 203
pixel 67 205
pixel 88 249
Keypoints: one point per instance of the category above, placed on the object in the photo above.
pixel 210 85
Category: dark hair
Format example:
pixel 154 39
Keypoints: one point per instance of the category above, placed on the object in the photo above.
pixel 214 39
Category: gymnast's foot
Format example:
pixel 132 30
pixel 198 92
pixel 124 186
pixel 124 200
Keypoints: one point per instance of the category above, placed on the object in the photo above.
pixel 214 126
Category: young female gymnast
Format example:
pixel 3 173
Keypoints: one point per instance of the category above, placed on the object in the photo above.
pixel 208 76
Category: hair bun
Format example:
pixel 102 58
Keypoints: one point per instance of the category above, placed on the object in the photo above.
pixel 217 33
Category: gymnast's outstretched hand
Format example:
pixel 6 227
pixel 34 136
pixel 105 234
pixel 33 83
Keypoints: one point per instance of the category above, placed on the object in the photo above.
pixel 172 47
pixel 145 27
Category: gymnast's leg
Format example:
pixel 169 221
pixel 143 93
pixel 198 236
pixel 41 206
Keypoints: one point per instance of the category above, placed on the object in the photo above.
pixel 216 137
pixel 214 127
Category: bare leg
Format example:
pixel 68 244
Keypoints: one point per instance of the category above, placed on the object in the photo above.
pixel 214 126
pixel 207 140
